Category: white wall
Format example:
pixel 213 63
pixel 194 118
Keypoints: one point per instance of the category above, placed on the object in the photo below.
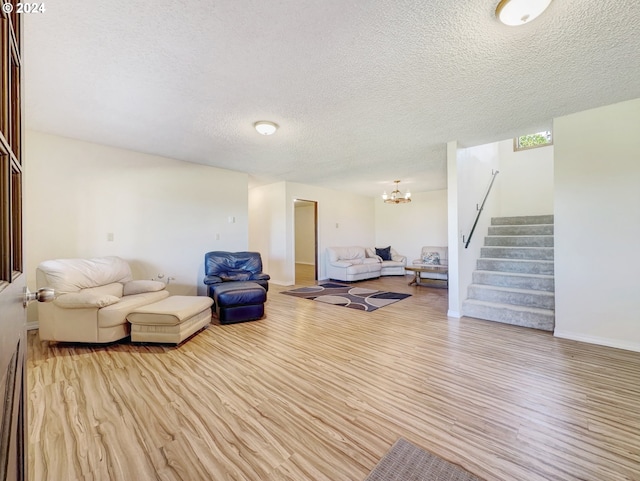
pixel 524 185
pixel 304 222
pixel 597 225
pixel 408 227
pixel 343 219
pixel 164 214
pixel 268 229
pixel 469 172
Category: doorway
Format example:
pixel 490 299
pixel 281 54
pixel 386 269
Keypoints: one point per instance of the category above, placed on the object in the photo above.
pixel 305 241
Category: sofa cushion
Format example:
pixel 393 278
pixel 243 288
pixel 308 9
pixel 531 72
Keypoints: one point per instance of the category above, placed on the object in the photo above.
pixel 218 262
pixel 171 311
pixel 239 294
pixel 117 313
pixel 72 275
pixel 346 253
pixel 113 289
pixel 138 287
pixel 84 300
pixel 384 253
pixel 235 275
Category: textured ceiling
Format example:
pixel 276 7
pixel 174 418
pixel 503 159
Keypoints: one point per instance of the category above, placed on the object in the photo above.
pixel 365 92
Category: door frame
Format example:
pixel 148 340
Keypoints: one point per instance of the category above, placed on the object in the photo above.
pixel 315 233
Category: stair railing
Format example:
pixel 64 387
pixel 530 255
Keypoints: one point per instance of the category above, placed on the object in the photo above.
pixel 493 174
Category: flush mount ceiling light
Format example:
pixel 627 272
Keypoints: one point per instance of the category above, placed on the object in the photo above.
pixel 519 12
pixel 265 127
pixel 396 196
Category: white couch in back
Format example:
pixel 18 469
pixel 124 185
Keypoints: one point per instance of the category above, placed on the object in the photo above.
pixel 393 267
pixel 93 299
pixel 426 257
pixel 351 264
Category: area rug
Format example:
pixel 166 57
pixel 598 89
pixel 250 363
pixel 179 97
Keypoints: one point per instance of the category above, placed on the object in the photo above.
pixel 348 296
pixel 407 462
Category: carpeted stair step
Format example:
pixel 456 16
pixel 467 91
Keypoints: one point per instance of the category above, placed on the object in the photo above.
pixel 534 229
pixel 538 253
pixel 513 282
pixel 529 266
pixel 522 220
pixel 516 280
pixel 519 240
pixel 536 318
pixel 512 296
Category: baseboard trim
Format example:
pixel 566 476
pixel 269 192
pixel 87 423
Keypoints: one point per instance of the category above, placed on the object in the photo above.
pixel 33 326
pixel 281 283
pixel 601 341
pixel 452 313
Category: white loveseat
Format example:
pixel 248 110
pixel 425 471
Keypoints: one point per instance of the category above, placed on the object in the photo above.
pixel 441 258
pixel 351 264
pixel 393 267
pixel 93 299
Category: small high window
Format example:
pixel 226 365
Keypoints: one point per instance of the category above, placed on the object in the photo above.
pixel 530 141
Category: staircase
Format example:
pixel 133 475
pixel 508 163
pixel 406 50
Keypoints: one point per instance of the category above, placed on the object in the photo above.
pixel 514 281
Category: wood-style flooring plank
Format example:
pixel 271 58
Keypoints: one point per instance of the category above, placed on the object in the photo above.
pixel 320 392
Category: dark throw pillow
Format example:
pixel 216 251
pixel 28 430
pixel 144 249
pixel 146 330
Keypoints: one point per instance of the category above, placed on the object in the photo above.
pixel 385 253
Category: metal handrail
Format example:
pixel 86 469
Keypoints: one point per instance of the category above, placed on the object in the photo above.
pixel 493 173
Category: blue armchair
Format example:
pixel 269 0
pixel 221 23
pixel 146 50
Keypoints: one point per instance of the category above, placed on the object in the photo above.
pixel 222 267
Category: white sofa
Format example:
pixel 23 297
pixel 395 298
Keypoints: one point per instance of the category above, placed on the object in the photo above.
pixel 393 267
pixel 93 299
pixel 425 258
pixel 351 264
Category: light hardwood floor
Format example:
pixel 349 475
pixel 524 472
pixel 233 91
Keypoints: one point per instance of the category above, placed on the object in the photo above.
pixel 320 392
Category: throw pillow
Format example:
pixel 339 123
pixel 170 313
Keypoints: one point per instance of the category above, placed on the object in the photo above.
pixel 431 258
pixel 384 253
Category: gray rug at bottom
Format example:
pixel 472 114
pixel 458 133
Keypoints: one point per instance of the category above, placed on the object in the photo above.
pixel 407 462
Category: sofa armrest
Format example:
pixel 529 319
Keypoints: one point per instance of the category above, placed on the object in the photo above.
pixel 208 280
pixel 140 286
pixel 399 258
pixel 261 276
pixel 372 260
pixel 84 300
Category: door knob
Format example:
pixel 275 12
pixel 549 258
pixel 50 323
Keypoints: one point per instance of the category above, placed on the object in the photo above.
pixel 44 294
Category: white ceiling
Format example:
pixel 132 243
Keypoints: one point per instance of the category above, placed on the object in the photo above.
pixel 365 91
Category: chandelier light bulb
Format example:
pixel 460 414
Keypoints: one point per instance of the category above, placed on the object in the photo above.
pixel 396 196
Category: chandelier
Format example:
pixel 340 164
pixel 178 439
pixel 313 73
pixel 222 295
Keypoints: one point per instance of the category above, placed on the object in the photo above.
pixel 396 196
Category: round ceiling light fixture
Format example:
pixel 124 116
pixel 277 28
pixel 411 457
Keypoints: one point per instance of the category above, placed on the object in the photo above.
pixel 265 127
pixel 519 12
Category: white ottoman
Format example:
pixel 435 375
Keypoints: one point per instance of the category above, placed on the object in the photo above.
pixel 170 320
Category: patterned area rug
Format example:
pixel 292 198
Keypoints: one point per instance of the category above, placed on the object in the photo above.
pixel 348 296
pixel 407 462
